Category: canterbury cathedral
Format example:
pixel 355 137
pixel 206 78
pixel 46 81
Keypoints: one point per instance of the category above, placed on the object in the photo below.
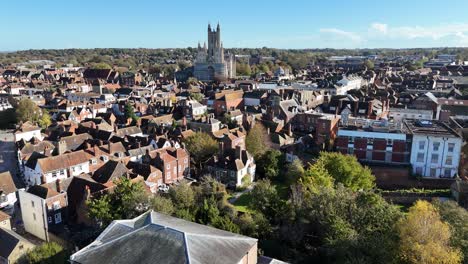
pixel 211 64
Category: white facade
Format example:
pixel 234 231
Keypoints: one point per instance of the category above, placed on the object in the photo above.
pixel 34 214
pixel 28 135
pixel 398 114
pixel 34 176
pixel 435 156
pixel 8 200
pixel 347 84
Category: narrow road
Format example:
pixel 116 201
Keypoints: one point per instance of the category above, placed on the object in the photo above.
pixel 8 160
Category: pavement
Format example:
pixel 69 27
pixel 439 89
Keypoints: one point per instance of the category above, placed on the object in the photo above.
pixel 8 154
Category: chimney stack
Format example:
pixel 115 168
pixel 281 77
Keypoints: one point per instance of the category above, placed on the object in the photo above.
pixel 221 149
pixel 61 147
pixel 58 186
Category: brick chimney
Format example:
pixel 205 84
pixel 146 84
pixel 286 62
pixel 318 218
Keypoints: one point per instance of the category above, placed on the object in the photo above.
pixel 58 186
pixel 46 150
pixel 61 147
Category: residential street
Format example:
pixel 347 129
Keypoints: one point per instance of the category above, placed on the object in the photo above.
pixel 8 156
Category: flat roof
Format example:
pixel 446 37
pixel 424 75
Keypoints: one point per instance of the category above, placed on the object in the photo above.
pixel 429 127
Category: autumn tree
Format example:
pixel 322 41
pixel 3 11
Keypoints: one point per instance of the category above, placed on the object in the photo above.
pixel 257 140
pixel 27 110
pixel 425 238
pixel 457 218
pixel 201 147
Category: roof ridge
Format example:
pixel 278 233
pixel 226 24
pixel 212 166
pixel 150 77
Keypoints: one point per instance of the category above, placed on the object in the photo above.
pixel 237 237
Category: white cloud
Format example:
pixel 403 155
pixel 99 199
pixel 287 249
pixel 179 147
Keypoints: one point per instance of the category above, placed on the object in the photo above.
pixel 342 34
pixel 413 32
pixel 379 27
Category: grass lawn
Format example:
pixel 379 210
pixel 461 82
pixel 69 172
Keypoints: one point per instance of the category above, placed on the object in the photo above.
pixel 242 204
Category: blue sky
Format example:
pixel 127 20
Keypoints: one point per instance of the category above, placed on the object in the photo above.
pixel 32 24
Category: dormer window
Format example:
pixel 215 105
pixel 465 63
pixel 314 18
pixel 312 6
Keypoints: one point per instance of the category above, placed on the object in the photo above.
pixel 104 158
pixel 93 161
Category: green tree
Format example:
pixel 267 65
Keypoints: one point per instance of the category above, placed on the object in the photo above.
pixel 45 120
pixel 457 218
pixel 130 112
pixel 266 200
pixel 201 147
pixel 182 196
pixel 127 200
pixel 27 110
pixel 161 204
pixel 369 64
pixel 294 171
pixel 341 226
pixel 197 97
pixel 315 178
pixel 101 66
pixel 47 253
pixel 257 140
pixel 269 164
pixel 209 212
pixel 192 81
pixel 425 238
pixel 347 170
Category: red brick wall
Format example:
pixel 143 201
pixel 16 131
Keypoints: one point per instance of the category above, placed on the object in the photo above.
pixel 360 143
pixel 378 155
pixel 342 142
pixel 380 144
pixel 399 146
pixel 360 154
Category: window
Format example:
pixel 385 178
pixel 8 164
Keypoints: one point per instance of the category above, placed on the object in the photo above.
pixel 421 145
pixel 34 216
pixel 32 204
pixel 420 157
pixel 448 160
pixel 49 219
pixel 435 146
pixel 433 172
pixel 389 142
pixel 448 173
pixel 58 218
pixel 434 158
pixel 168 167
pixel 54 174
pixel 185 160
pixel 451 147
pixel 168 175
pixel 62 172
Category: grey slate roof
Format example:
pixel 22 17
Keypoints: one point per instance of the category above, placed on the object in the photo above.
pixel 159 238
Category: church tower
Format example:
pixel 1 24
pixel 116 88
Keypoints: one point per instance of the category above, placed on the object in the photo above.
pixel 211 63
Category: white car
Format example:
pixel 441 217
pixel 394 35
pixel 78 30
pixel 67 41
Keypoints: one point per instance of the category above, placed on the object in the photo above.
pixel 163 188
